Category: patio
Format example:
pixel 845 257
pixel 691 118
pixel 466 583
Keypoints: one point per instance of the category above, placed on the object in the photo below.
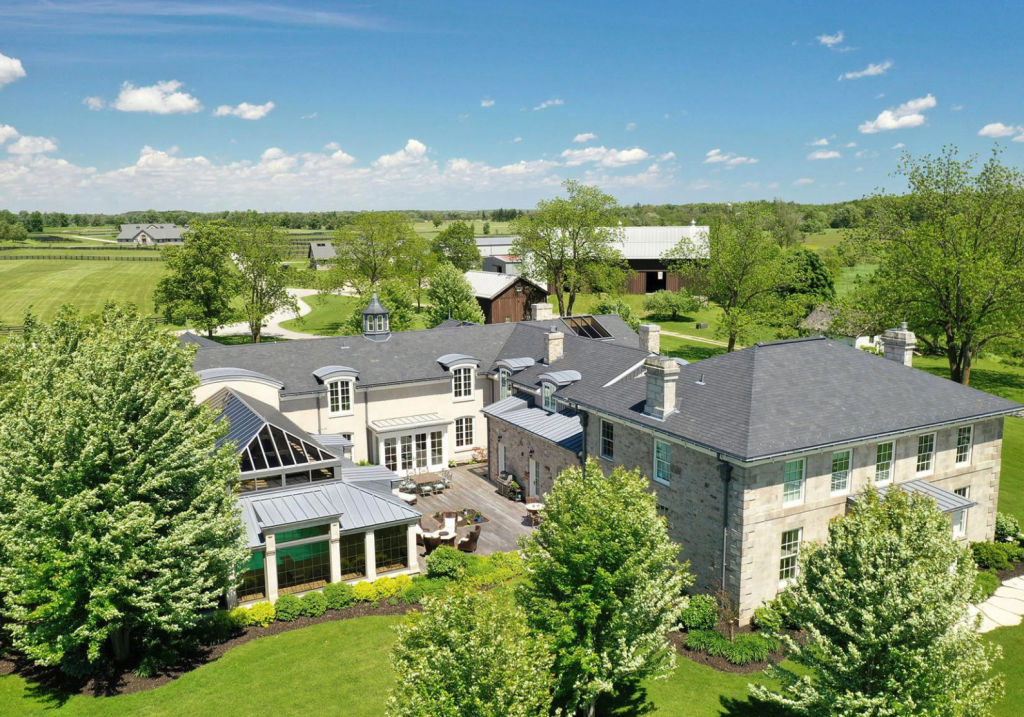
pixel 506 521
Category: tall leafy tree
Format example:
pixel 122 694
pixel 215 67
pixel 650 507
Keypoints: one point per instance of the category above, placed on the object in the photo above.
pixel 394 295
pixel 570 243
pixel 743 273
pixel 451 297
pixel 952 256
pixel 371 249
pixel 417 263
pixel 200 279
pixel 117 519
pixel 603 580
pixel 456 244
pixel 472 655
pixel 260 252
pixel 883 606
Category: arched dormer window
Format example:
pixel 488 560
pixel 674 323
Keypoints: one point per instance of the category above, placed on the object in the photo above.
pixel 504 383
pixel 339 396
pixel 547 396
pixel 462 382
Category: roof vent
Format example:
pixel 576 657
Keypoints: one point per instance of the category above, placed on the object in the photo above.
pixel 700 382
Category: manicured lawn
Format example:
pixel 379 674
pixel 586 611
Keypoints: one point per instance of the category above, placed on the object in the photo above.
pixel 46 285
pixel 60 249
pixel 1012 666
pixel 330 314
pixel 688 349
pixel 824 240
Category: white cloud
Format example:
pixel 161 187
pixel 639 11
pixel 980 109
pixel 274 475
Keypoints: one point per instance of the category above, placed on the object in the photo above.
pixel 244 111
pixel 332 146
pixel 998 129
pixel 909 114
pixel 487 102
pixel 831 40
pixel 604 156
pixel 311 115
pixel 898 145
pixel 822 142
pixel 667 156
pixel 163 98
pixel 803 181
pixel 1019 138
pixel 824 154
pixel 413 153
pixel 553 102
pixel 94 103
pixel 956 108
pixel 7 132
pixel 865 154
pixel 517 140
pixel 11 69
pixel 32 145
pixel 859 169
pixel 699 184
pixel 630 126
pixel 730 159
pixel 584 137
pixel 872 70
pixel 850 145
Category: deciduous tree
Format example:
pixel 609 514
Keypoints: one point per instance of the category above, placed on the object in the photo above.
pixel 451 297
pixel 371 249
pixel 260 252
pixel 883 606
pixel 456 244
pixel 117 520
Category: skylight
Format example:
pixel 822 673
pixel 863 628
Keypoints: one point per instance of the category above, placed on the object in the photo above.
pixel 586 326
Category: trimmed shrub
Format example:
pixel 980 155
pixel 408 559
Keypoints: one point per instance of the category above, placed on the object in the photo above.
pixel 703 641
pixel 700 613
pixel 384 588
pixel 339 595
pixel 287 608
pixel 746 648
pixel 995 555
pixel 1007 528
pixel 364 591
pixel 768 618
pixel 402 582
pixel 985 583
pixel 261 614
pixel 447 562
pixel 221 625
pixel 241 616
pixel 314 604
pixel 670 304
pixel 422 587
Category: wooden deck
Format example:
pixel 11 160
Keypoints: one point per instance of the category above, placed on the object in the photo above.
pixel 505 520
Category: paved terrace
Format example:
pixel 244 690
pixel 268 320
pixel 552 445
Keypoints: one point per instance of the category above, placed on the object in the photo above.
pixel 505 520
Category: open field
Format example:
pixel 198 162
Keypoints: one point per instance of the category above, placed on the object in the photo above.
pixel 825 240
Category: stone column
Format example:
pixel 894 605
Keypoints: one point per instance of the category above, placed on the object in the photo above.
pixel 335 552
pixel 371 556
pixel 899 345
pixel 662 375
pixel 650 338
pixel 411 561
pixel 270 567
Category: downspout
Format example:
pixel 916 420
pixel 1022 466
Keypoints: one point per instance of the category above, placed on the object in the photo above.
pixel 319 428
pixel 725 471
pixel 583 424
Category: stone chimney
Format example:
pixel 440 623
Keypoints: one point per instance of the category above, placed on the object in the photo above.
pixel 553 340
pixel 662 376
pixel 899 344
pixel 650 338
pixel 541 312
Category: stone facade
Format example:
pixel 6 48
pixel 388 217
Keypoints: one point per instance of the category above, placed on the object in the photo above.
pixel 519 447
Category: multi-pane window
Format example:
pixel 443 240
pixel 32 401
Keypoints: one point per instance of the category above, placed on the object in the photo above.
pixel 789 561
pixel 339 396
pixel 963 444
pixel 353 556
pixel 959 517
pixel 925 453
pixel 547 392
pixel 303 567
pixel 252 581
pixel 662 461
pixel 883 462
pixel 462 382
pixel 391 548
pixel 391 454
pixel 406 452
pixel 663 512
pixel 607 439
pixel 505 382
pixel 463 432
pixel 436 448
pixel 793 482
pixel 841 472
pixel 421 450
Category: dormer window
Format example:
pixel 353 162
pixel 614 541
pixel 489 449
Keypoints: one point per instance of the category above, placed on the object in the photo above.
pixel 547 395
pixel 462 382
pixel 504 383
pixel 339 397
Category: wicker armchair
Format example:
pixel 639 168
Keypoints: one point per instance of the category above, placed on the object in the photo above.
pixel 468 544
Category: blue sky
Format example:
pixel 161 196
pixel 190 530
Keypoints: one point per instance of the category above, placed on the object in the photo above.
pixel 108 105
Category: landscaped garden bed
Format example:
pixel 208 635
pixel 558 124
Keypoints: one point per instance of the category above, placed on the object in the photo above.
pixel 709 635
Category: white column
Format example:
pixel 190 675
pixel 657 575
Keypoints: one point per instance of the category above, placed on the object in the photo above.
pixel 335 552
pixel 371 556
pixel 270 567
pixel 411 560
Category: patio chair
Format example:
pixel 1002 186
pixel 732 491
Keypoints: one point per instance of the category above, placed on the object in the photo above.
pixel 430 544
pixel 451 518
pixel 446 477
pixel 468 544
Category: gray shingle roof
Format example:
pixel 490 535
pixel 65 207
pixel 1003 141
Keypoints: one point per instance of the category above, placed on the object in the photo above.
pixel 562 429
pixel 781 397
pixel 947 501
pixel 189 337
pixel 159 232
pixel 321 250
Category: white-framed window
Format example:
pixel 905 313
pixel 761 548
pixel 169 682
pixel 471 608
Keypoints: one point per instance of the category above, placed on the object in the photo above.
pixel 391 454
pixel 840 472
pixel 883 462
pixel 793 482
pixel 662 461
pixel 789 557
pixel 663 512
pixel 547 397
pixel 339 397
pixel 964 439
pixel 504 383
pixel 436 448
pixel 463 432
pixel 959 517
pixel 607 439
pixel 462 382
pixel 925 453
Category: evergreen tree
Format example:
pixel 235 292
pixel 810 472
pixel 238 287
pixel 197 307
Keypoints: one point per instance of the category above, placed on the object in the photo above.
pixel 883 606
pixel 603 580
pixel 117 519
pixel 451 297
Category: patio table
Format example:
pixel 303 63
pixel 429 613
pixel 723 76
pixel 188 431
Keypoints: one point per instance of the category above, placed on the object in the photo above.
pixel 533 510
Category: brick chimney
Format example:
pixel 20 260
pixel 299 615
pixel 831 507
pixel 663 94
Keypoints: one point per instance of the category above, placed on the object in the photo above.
pixel 650 338
pixel 541 312
pixel 662 376
pixel 899 344
pixel 553 340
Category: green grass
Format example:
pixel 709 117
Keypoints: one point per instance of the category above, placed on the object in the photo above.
pixel 1012 666
pixel 848 276
pixel 330 314
pixel 689 349
pixel 44 286
pixel 60 249
pixel 827 239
